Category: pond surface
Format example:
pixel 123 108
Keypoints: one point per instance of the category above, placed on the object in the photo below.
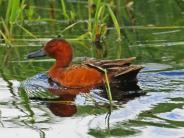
pixel 156 40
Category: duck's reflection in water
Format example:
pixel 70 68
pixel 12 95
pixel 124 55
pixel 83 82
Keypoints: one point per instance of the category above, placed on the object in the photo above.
pixel 65 105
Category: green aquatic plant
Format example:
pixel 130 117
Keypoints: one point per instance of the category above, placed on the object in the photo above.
pixel 115 131
pixel 14 14
pixel 97 23
pixel 64 11
pixel 5 32
pixel 14 10
pixel 27 31
pixel 68 14
pixel 108 89
pixel 99 13
pixel 107 85
pixel 7 35
pixel 115 21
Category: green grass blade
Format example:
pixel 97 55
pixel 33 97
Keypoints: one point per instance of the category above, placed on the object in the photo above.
pixel 27 31
pixel 14 10
pixel 89 15
pixel 107 84
pixel 108 87
pixel 6 29
pixel 116 24
pixel 64 9
pixel 7 41
pixel 84 36
pixel 98 15
pixel 70 26
pixel 8 11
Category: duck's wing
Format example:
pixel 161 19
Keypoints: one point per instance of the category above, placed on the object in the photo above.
pixel 120 68
pixel 110 63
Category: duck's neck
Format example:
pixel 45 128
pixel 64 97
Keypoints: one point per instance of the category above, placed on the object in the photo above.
pixel 57 69
pixel 61 64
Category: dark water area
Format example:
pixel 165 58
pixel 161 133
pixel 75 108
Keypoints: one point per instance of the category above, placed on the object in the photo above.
pixel 157 110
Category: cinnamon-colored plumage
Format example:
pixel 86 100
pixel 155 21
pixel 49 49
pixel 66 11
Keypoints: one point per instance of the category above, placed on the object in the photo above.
pixel 88 75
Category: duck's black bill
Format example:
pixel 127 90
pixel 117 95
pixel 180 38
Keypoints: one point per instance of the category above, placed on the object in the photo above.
pixel 39 53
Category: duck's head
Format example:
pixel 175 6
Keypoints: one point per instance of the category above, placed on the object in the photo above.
pixel 58 49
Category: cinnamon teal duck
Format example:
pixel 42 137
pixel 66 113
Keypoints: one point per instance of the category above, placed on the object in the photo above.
pixel 87 75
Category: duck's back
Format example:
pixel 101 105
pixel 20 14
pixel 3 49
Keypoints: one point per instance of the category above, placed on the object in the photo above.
pixel 120 70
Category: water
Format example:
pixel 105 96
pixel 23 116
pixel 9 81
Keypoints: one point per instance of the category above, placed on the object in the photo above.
pixel 157 114
pixel 156 39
